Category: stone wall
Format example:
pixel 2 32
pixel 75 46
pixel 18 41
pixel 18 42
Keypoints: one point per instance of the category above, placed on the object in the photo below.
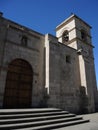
pixel 64 80
pixel 63 75
pixel 32 51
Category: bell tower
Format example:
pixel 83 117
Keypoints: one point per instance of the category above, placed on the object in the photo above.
pixel 75 33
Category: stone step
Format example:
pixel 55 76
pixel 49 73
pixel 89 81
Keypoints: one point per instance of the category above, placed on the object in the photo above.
pixel 9 121
pixel 12 116
pixel 37 119
pixel 39 123
pixel 23 111
pixel 54 126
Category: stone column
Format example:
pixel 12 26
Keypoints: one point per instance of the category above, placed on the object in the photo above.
pixel 47 63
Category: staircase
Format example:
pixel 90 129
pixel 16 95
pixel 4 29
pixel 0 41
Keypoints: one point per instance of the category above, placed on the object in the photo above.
pixel 37 119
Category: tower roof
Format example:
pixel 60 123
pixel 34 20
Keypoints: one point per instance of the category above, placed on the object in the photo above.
pixel 73 16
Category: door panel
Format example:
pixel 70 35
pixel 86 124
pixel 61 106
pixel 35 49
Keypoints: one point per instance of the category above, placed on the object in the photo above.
pixel 18 89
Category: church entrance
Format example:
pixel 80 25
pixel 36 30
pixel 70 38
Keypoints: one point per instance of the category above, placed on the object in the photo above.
pixel 18 89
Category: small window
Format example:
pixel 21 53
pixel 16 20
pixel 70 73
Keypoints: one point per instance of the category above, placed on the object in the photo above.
pixel 68 59
pixel 65 37
pixel 24 41
pixel 83 35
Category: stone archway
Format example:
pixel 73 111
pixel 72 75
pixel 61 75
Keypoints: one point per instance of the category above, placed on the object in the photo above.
pixel 18 89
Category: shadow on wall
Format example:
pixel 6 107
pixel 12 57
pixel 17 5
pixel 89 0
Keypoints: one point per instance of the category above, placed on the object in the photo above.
pixel 44 101
pixel 83 101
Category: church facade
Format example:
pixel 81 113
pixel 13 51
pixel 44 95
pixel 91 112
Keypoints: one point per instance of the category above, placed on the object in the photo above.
pixel 39 70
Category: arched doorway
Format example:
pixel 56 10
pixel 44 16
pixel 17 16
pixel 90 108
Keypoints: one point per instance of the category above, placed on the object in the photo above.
pixel 18 89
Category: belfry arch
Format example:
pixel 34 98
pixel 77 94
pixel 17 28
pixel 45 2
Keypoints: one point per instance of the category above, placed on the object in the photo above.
pixel 18 88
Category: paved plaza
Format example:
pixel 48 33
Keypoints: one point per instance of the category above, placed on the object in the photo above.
pixel 92 125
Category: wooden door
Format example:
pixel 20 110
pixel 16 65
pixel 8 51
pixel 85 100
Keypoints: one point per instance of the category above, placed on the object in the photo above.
pixel 18 89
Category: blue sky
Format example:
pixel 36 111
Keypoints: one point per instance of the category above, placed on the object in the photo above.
pixel 44 15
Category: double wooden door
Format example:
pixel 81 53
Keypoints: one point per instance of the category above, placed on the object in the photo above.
pixel 18 89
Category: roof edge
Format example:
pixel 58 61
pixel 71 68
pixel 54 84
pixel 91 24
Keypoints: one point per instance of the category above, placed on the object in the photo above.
pixel 70 18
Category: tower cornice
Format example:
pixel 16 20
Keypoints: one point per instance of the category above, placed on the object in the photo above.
pixel 72 17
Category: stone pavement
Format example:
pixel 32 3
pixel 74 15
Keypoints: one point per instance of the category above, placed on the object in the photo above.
pixel 92 125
